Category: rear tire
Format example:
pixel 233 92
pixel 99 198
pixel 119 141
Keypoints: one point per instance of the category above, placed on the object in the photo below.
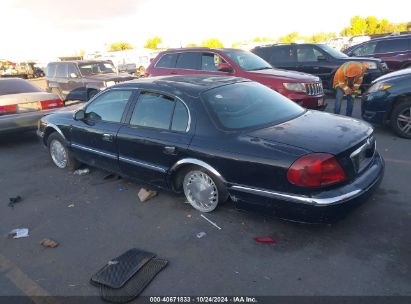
pixel 203 190
pixel 60 154
pixel 400 119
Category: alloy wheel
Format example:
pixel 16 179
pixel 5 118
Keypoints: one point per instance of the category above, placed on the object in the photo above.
pixel 404 121
pixel 58 154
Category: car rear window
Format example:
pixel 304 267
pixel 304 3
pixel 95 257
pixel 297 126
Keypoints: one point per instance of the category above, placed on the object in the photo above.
pixel 16 86
pixel 167 61
pixel 248 105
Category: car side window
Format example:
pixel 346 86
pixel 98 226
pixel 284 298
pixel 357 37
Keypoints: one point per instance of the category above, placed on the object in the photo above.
pixel 61 71
pixel 51 70
pixel 307 53
pixel 180 117
pixel 392 45
pixel 365 49
pixel 281 54
pixel 72 69
pixel 159 111
pixel 189 61
pixel 210 62
pixel 109 106
pixel 167 61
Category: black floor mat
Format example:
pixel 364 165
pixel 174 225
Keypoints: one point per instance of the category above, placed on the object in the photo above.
pixel 119 270
pixel 135 285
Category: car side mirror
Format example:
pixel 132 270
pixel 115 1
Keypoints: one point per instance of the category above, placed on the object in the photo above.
pixel 79 115
pixel 321 58
pixel 224 67
pixel 73 75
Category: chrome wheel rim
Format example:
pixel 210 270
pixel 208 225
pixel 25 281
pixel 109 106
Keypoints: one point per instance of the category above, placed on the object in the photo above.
pixel 58 153
pixel 200 191
pixel 404 121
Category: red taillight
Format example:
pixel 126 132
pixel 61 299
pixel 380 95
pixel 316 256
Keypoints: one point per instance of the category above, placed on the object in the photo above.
pixel 8 109
pixel 49 104
pixel 315 170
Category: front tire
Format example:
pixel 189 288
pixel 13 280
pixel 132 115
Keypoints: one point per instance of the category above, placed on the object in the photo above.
pixel 203 190
pixel 401 119
pixel 59 153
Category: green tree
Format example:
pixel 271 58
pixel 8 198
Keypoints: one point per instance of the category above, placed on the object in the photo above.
pixel 153 43
pixel 372 25
pixel 212 43
pixel 290 38
pixel 119 46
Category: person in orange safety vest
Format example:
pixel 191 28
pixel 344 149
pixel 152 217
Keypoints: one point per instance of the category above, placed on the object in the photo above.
pixel 347 82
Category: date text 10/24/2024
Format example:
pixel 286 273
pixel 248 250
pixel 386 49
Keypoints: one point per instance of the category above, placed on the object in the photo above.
pixel 203 299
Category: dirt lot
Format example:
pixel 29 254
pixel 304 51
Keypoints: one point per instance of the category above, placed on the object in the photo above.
pixel 368 253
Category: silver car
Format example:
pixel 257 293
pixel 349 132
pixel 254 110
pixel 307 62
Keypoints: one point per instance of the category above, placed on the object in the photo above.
pixel 22 104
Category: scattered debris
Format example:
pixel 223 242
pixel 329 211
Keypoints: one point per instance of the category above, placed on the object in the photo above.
pixel 19 233
pixel 14 200
pixel 188 215
pixel 267 278
pixel 145 195
pixel 81 172
pixel 112 262
pixel 212 223
pixel 266 240
pixel 201 235
pixel 71 206
pixel 186 202
pixel 49 243
pixel 121 188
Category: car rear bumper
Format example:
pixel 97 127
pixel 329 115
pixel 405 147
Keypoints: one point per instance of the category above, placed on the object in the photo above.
pixel 20 122
pixel 322 207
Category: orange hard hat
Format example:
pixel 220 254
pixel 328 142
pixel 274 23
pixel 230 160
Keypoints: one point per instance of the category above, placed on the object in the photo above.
pixel 353 69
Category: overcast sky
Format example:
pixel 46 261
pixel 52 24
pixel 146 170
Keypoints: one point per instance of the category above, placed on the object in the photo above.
pixel 46 28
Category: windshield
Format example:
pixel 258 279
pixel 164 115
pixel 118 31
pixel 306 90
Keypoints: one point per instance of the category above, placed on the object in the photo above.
pixel 103 67
pixel 333 52
pixel 249 105
pixel 248 61
pixel 16 86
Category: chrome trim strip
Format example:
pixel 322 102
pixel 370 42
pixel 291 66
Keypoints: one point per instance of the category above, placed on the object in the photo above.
pixel 197 162
pixel 141 164
pixel 298 198
pixel 84 148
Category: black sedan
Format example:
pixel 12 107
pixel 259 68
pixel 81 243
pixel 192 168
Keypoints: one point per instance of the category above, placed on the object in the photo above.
pixel 219 137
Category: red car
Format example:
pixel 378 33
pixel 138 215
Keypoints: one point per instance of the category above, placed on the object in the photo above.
pixel 305 89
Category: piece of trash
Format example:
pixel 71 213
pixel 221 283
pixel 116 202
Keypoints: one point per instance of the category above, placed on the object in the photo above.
pixel 212 223
pixel 19 233
pixel 201 235
pixel 112 262
pixel 14 200
pixel 188 215
pixel 145 195
pixel 49 243
pixel 299 279
pixel 236 272
pixel 186 202
pixel 266 240
pixel 81 172
pixel 71 206
pixel 121 188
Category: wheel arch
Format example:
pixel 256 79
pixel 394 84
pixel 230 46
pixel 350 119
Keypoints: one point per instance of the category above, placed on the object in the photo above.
pixel 175 172
pixel 51 128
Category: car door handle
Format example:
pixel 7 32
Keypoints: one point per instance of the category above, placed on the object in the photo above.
pixel 108 137
pixel 169 150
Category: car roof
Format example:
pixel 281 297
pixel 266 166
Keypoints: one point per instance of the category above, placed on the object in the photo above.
pixel 80 61
pixel 177 50
pixel 181 84
pixel 402 36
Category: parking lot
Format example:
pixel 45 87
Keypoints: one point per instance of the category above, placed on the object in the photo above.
pixel 95 219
